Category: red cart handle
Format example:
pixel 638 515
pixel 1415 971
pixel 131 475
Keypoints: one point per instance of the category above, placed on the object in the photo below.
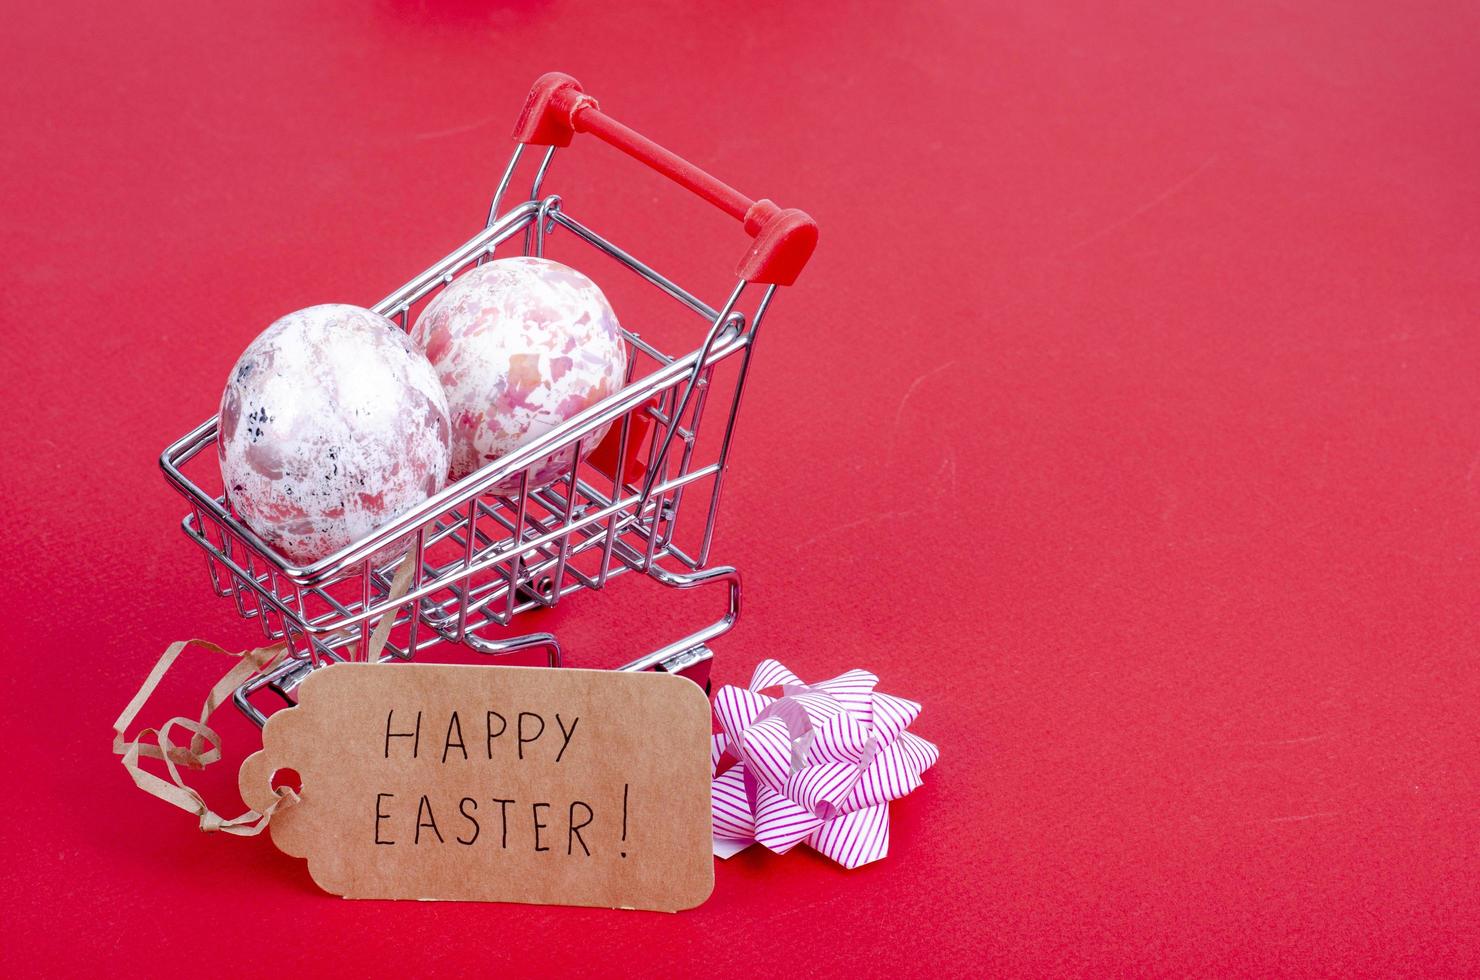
pixel 557 109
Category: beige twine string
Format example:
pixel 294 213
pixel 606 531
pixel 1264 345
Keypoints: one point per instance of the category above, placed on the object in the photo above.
pixel 205 744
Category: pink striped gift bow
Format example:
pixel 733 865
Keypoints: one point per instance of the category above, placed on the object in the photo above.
pixel 817 765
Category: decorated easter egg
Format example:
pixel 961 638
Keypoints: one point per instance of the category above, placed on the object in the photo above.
pixel 521 345
pixel 332 423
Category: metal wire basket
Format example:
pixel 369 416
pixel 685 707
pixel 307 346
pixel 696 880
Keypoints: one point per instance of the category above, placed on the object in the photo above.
pixel 479 557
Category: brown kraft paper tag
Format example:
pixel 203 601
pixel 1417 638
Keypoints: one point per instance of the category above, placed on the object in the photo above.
pixel 508 784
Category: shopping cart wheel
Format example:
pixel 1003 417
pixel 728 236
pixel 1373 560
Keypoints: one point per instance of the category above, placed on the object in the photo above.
pixel 693 663
pixel 541 590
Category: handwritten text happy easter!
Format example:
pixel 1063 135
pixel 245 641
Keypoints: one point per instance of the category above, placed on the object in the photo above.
pixel 557 826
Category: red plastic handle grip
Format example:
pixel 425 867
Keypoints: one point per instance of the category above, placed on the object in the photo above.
pixel 557 109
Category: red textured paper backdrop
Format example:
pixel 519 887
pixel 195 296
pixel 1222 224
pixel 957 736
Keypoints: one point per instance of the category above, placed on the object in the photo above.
pixel 1127 418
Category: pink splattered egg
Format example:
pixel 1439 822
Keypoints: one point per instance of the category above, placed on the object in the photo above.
pixel 521 345
pixel 332 423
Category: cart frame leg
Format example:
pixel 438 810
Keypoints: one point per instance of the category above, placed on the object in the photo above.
pixel 688 657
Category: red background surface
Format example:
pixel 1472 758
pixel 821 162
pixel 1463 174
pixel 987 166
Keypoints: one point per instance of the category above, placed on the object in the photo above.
pixel 1127 418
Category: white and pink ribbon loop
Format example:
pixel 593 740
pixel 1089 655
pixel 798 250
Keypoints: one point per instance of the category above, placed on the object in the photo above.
pixel 817 765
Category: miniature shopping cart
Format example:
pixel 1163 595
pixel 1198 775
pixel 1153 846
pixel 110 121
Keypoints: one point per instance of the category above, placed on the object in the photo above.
pixel 481 555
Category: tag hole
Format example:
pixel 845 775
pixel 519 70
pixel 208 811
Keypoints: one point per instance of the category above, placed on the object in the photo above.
pixel 288 778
